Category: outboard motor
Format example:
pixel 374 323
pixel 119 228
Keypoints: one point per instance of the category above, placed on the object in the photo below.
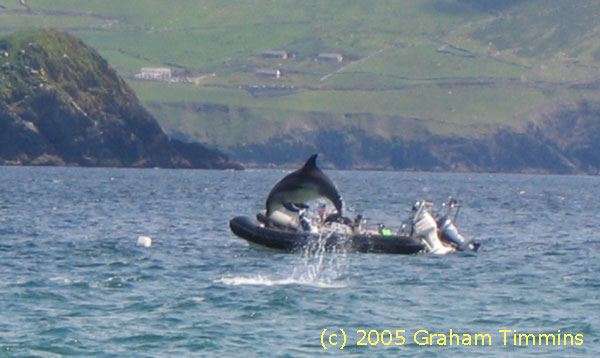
pixel 450 234
pixel 425 226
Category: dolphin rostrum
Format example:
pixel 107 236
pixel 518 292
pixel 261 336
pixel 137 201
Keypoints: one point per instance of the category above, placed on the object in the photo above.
pixel 305 184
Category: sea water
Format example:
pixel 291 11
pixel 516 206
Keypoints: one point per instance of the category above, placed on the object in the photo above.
pixel 141 263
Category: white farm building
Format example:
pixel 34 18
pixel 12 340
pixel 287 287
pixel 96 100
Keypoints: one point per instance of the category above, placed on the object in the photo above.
pixel 154 73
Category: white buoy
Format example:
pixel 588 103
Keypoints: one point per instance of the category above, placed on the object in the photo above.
pixel 144 241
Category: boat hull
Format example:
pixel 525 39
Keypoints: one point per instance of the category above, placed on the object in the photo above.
pixel 247 229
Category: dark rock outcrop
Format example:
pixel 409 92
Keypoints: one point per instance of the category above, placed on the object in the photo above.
pixel 565 140
pixel 61 104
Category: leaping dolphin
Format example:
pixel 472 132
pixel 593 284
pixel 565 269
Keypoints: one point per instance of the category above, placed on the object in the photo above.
pixel 305 184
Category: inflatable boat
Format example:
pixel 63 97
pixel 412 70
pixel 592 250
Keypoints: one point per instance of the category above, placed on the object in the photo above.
pixel 423 232
pixel 288 240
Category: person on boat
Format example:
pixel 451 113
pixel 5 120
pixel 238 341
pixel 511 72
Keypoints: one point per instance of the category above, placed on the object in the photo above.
pixel 358 223
pixel 322 213
pixel 384 231
pixel 306 224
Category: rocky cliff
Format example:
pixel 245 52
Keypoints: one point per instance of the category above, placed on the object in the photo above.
pixel 61 104
pixel 564 139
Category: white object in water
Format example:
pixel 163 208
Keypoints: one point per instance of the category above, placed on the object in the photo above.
pixel 144 241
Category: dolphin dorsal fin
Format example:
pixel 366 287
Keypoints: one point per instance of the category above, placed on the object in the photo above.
pixel 311 163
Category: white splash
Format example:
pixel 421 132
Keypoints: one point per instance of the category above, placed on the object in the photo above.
pixel 61 279
pixel 260 280
pixel 316 267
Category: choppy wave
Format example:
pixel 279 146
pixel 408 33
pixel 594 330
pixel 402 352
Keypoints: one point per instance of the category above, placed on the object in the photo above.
pixel 75 283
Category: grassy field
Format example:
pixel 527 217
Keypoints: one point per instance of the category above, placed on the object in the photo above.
pixel 461 69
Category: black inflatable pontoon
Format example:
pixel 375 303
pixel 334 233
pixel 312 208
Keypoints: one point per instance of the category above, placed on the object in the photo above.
pixel 249 230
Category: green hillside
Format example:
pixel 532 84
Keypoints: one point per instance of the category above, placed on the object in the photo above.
pixel 413 68
pixel 61 104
